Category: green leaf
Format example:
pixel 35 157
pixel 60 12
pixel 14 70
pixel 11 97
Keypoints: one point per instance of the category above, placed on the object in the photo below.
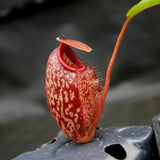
pixel 141 6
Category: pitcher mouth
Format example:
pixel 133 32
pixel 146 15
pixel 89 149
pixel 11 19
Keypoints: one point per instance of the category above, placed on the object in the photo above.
pixel 69 59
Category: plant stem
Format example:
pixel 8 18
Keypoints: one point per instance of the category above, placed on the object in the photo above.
pixel 108 77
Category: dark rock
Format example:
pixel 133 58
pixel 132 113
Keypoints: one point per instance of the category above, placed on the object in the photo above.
pixel 156 125
pixel 130 143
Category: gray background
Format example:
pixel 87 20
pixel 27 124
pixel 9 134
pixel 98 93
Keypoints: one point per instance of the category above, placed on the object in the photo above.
pixel 28 31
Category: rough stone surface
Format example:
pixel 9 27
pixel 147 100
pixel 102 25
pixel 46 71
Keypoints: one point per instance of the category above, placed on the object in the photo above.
pixel 156 125
pixel 129 143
